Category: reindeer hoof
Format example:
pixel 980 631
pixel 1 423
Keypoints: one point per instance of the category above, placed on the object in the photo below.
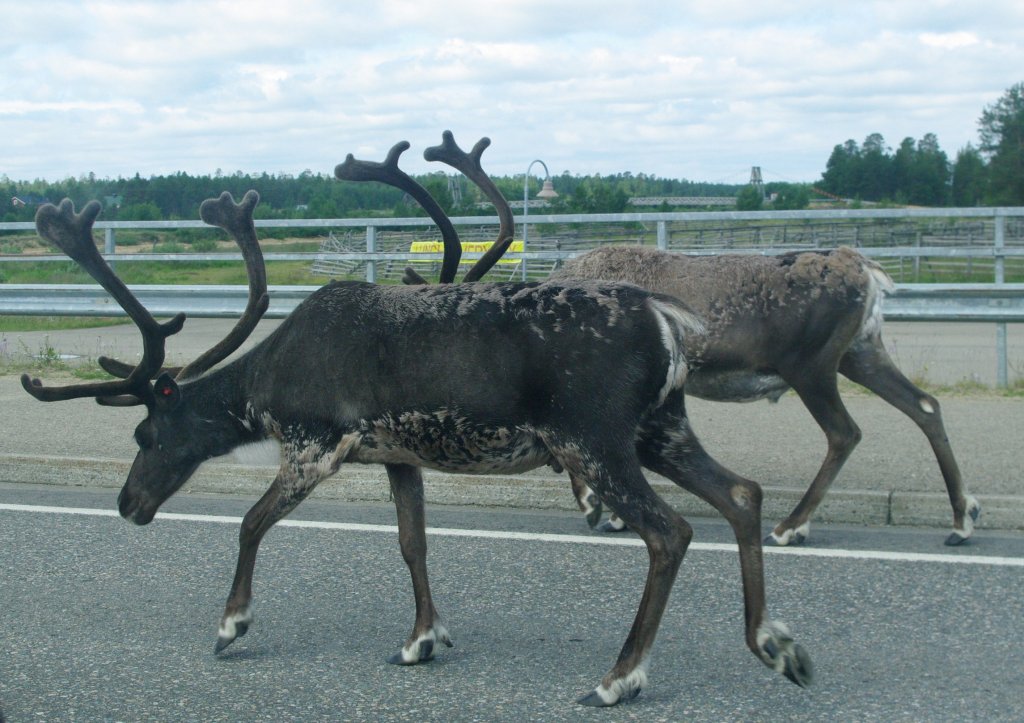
pixel 594 700
pixel 421 649
pixel 781 653
pixel 598 698
pixel 425 652
pixel 622 689
pixel 612 525
pixel 960 536
pixel 791 536
pixel 955 538
pixel 799 667
pixel 231 628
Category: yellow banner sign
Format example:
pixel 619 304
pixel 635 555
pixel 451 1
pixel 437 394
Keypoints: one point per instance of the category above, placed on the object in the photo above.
pixel 473 247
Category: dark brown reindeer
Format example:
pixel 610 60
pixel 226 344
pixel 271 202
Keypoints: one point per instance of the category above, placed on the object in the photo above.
pixel 479 378
pixel 772 324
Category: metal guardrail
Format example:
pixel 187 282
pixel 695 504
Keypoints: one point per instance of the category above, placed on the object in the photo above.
pixel 998 244
pixel 998 303
pixel 909 302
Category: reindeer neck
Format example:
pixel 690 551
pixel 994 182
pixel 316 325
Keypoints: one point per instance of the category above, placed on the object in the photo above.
pixel 221 396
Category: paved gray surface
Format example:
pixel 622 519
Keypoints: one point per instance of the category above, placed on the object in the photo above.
pixel 106 621
pixel 891 477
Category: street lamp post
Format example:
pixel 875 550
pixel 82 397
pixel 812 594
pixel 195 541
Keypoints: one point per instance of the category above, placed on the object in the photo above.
pixel 547 191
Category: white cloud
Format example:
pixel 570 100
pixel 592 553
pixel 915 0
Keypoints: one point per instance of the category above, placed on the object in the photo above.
pixel 689 89
pixel 949 41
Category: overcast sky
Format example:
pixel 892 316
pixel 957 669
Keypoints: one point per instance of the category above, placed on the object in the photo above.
pixel 695 90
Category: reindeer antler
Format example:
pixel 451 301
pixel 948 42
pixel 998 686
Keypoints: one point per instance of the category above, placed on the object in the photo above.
pixel 72 233
pixel 388 172
pixel 469 164
pixel 236 219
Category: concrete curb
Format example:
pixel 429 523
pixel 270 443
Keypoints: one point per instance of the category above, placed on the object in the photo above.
pixel 362 483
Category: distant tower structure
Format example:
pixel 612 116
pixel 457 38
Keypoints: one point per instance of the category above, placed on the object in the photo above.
pixel 755 179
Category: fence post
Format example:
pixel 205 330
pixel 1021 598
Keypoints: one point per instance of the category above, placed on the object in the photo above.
pixel 109 244
pixel 1002 375
pixel 917 258
pixel 371 247
pixel 1000 246
pixel 662 236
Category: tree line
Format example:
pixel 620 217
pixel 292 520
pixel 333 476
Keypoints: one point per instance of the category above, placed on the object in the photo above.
pixel 917 172
pixel 920 173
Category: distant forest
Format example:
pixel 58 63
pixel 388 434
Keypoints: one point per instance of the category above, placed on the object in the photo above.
pixel 917 172
pixel 314 195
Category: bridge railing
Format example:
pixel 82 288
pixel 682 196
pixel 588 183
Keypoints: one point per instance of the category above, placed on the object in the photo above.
pixel 991 238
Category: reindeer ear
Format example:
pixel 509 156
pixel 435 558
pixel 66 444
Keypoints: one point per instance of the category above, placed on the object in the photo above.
pixel 166 391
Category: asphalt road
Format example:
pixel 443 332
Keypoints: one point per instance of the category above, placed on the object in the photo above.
pixel 100 620
pixel 103 621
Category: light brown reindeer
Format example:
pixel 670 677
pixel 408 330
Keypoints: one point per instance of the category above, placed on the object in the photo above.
pixel 793 321
pixel 477 378
pixel 772 324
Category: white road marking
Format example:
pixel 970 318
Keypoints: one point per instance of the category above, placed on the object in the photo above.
pixel 948 558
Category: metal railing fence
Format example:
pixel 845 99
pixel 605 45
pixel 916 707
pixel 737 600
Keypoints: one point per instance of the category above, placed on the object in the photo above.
pixel 913 244
pixel 985 244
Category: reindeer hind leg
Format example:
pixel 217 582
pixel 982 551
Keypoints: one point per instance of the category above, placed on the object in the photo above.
pixel 619 481
pixel 428 630
pixel 815 382
pixel 867 363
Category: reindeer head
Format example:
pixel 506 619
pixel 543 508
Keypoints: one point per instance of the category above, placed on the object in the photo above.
pixel 173 438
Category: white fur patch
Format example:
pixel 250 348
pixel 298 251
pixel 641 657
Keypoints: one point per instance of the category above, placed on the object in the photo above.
pixel 264 452
pixel 789 535
pixel 926 407
pixel 584 500
pixel 879 284
pixel 968 526
pixel 635 681
pixel 229 626
pixel 615 523
pixel 675 324
pixel 438 633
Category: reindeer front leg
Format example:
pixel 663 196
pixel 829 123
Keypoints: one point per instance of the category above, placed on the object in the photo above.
pixel 289 488
pixel 666 445
pixel 407 490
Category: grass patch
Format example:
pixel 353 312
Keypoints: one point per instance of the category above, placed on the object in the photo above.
pixel 54 370
pixel 58 323
pixel 281 273
pixel 47 360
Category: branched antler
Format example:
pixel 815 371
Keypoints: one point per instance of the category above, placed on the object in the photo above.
pixel 388 172
pixel 469 164
pixel 72 233
pixel 236 219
